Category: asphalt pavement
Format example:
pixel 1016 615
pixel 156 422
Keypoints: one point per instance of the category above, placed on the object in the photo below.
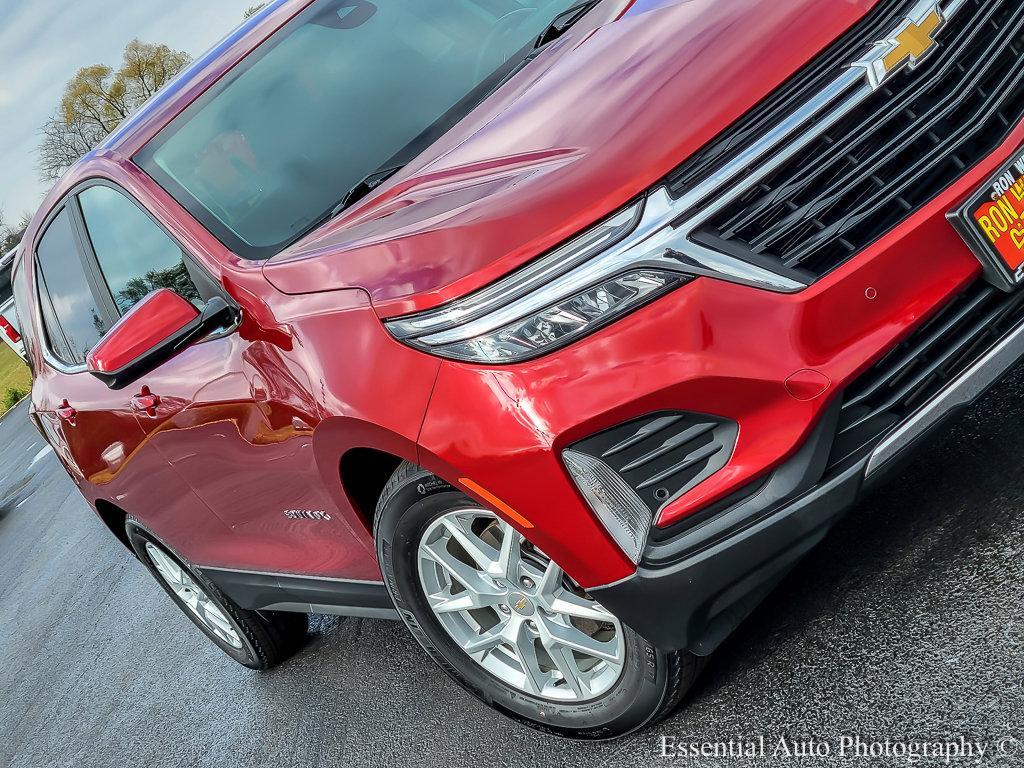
pixel 906 624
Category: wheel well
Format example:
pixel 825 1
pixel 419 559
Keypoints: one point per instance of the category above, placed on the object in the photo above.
pixel 114 518
pixel 364 473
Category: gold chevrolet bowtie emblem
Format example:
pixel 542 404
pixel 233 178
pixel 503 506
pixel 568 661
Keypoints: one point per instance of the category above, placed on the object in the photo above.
pixel 914 42
pixel 521 604
pixel 910 44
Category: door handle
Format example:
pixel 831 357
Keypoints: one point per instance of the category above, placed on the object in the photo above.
pixel 66 412
pixel 146 401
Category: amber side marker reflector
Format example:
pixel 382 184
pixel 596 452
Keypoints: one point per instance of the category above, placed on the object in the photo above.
pixel 497 503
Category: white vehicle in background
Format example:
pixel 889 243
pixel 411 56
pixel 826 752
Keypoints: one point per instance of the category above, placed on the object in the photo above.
pixel 10 328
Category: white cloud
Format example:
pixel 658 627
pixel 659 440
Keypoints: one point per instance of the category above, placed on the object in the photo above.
pixel 44 42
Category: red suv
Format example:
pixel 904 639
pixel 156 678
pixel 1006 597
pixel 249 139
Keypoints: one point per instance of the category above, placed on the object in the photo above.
pixel 559 331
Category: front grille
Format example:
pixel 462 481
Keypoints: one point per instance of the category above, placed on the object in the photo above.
pixel 915 371
pixel 890 155
pixel 665 454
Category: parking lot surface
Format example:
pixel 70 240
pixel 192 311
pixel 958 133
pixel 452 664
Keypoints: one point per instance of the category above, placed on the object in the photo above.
pixel 906 624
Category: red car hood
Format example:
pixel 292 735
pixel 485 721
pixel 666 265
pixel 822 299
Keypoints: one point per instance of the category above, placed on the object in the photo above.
pixel 596 119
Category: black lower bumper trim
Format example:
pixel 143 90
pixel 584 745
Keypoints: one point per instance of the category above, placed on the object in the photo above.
pixel 303 594
pixel 696 603
pixel 692 589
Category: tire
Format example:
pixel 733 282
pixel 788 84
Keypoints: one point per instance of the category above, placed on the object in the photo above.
pixel 255 639
pixel 414 506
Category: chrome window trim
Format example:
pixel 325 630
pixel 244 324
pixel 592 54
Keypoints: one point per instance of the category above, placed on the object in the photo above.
pixel 188 254
pixel 49 357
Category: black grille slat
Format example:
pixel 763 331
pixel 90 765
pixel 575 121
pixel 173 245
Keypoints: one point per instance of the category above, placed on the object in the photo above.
pixel 917 369
pixel 843 148
pixel 868 168
pixel 908 179
pixel 663 455
pixel 669 445
pixel 692 460
pixel 912 352
pixel 888 157
pixel 644 431
pixel 796 91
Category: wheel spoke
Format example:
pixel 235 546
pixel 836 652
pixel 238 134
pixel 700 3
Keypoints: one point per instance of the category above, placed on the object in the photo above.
pixel 569 604
pixel 466 575
pixel 565 661
pixel 525 650
pixel 214 615
pixel 446 602
pixel 551 583
pixel 487 640
pixel 482 554
pixel 580 641
pixel 509 557
pixel 191 599
pixel 168 568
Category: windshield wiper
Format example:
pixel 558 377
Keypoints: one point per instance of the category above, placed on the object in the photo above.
pixel 362 188
pixel 564 21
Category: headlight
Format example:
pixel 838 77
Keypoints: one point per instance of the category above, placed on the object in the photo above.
pixel 560 324
pixel 611 269
pixel 547 304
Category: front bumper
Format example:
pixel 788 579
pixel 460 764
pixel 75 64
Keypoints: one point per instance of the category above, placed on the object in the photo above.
pixel 693 589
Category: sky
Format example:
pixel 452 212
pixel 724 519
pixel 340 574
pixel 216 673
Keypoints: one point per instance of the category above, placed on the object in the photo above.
pixel 44 42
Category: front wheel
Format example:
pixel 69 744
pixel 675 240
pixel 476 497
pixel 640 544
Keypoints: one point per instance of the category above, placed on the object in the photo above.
pixel 509 625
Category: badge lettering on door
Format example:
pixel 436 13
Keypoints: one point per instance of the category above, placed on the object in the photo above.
pixel 306 514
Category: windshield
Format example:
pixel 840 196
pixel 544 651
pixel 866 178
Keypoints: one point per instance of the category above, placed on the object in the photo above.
pixel 347 88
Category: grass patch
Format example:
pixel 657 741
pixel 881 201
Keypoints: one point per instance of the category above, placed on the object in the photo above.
pixel 15 380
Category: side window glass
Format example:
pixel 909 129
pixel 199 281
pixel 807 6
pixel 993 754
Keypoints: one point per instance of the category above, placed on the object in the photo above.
pixel 22 302
pixel 134 254
pixel 73 319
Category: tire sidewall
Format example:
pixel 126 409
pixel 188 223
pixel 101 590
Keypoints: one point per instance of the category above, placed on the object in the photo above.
pixel 138 536
pixel 628 706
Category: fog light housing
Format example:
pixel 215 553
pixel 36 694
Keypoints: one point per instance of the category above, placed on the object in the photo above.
pixel 626 518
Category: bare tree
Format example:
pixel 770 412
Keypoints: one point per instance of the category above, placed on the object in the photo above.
pixel 98 98
pixel 10 235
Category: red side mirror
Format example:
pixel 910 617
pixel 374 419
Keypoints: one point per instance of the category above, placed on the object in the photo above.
pixel 152 329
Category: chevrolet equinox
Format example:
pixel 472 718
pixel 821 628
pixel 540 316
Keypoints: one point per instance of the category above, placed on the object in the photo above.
pixel 560 331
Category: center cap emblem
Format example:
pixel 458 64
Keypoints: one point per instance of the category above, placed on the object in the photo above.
pixel 521 604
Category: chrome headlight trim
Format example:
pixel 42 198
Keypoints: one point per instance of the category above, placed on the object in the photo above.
pixel 521 282
pixel 637 238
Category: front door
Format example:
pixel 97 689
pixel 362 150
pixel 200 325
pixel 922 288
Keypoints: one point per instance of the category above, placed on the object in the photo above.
pixel 93 429
pixel 232 415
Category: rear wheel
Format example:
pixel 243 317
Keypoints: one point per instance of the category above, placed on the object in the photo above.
pixel 509 625
pixel 258 640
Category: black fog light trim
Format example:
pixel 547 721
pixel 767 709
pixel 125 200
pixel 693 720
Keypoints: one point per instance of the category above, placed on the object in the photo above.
pixel 663 455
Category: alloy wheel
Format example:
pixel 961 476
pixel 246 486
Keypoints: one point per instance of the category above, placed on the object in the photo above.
pixel 193 596
pixel 515 612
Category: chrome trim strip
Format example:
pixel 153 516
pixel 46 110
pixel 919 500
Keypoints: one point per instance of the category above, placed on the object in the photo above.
pixel 289 575
pixel 533 276
pixel 387 614
pixel 654 244
pixel 960 392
